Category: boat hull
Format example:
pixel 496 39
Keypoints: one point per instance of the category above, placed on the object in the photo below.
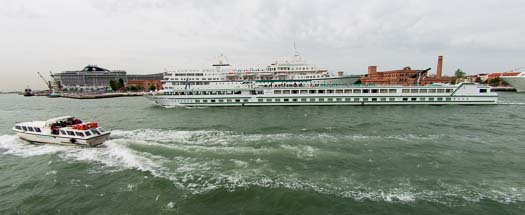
pixel 53 139
pixel 518 82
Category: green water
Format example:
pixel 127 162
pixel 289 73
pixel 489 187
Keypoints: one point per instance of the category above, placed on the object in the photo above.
pixel 268 160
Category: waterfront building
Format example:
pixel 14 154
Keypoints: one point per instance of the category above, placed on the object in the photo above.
pixel 95 78
pixel 406 76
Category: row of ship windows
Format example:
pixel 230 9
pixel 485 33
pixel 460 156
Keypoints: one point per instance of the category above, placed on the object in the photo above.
pixel 27 128
pixel 194 79
pixel 70 133
pixel 206 93
pixel 431 99
pixel 291 68
pixel 362 91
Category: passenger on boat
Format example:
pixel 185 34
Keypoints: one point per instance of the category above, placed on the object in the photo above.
pixel 54 129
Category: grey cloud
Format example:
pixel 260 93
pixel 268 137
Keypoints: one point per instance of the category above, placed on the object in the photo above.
pixel 147 36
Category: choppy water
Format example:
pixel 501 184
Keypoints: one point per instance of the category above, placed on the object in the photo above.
pixel 269 160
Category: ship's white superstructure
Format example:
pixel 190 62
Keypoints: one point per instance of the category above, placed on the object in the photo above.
pixel 518 81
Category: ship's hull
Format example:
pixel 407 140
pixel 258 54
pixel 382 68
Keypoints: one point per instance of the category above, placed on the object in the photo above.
pixel 166 101
pixel 518 82
pixel 54 139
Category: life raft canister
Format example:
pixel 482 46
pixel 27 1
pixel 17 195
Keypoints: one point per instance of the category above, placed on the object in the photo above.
pixel 93 125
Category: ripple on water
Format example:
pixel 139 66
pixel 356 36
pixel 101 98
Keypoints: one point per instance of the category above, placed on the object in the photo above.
pixel 207 173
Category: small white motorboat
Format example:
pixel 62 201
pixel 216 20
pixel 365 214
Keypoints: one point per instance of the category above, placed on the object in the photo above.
pixel 62 130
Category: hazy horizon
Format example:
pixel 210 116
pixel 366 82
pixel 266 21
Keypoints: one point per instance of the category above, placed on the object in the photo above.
pixel 143 37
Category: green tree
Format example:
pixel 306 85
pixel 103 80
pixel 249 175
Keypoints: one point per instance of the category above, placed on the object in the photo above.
pixel 113 85
pixel 132 88
pixel 460 74
pixel 120 83
pixel 494 82
pixel 152 88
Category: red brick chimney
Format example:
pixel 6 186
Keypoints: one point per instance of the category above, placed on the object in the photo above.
pixel 372 70
pixel 439 70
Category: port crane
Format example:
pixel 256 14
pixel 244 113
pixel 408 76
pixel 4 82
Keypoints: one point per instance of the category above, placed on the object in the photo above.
pixel 48 83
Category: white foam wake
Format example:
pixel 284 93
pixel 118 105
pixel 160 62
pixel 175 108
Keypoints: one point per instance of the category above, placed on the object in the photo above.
pixel 198 174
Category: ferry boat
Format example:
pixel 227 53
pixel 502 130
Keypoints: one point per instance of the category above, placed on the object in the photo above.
pixel 518 81
pixel 297 83
pixel 62 130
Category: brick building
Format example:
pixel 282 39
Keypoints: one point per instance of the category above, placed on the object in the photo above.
pixel 405 76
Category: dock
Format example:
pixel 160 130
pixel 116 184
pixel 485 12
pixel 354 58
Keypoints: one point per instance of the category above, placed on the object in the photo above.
pixel 101 96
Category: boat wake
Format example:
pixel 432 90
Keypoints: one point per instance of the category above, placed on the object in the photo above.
pixel 511 103
pixel 203 161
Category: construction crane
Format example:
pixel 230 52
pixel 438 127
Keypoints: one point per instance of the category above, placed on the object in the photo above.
pixel 48 83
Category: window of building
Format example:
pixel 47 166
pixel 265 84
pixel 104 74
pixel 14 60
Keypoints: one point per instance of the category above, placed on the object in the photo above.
pixel 432 91
pixel 313 91
pixel 330 91
pixel 237 100
pixel 294 100
pixel 339 99
pixel 374 99
pixel 63 132
pixel 303 100
pixel 30 129
pixel 88 133
pixel 405 99
pixel 391 99
pixel 449 99
pixel 295 91
pixel 277 100
pixel 366 90
pixel 245 100
pixel 413 99
pixel 320 91
pixel 375 91
pixel 70 133
pixel 392 90
pixel 483 90
pixel 338 91
pixel 383 91
pixel 406 91
pixel 38 130
pixel 79 134
pixel 383 99
pixel 304 92
pixel 413 91
pixel 448 90
pixel 348 91
pixel 365 99
pixel 286 91
pixel 440 91
pixel 357 91
pixel 356 99
pixel 18 127
pixel 260 100
pixel 440 99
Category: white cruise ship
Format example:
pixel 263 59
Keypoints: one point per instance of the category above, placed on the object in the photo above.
pixel 518 81
pixel 298 83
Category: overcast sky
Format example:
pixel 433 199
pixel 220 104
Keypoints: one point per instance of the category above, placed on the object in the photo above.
pixel 148 36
